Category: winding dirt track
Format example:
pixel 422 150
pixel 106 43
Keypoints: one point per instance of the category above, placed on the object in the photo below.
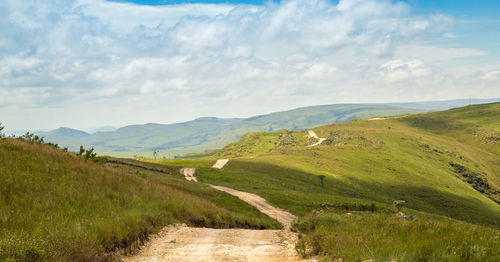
pixel 182 243
pixel 285 218
pixel 312 134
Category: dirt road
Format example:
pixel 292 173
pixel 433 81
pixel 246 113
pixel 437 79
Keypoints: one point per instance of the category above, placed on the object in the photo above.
pixel 182 243
pixel 189 174
pixel 220 163
pixel 385 118
pixel 312 134
pixel 285 218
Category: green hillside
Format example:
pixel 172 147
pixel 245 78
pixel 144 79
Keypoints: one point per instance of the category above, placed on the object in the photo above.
pixel 57 206
pixel 212 133
pixel 444 165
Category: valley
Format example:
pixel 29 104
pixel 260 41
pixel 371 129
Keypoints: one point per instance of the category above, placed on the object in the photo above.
pixel 381 190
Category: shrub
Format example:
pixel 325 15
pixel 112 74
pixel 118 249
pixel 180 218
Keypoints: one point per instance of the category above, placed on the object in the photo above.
pixel 31 138
pixel 89 154
pixel 82 150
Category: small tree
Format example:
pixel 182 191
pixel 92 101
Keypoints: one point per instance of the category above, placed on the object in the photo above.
pixel 89 153
pixel 1 128
pixel 155 153
pixel 82 150
pixel 322 179
pixel 31 138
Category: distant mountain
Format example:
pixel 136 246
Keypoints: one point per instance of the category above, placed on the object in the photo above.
pixel 211 132
pixel 64 132
pixel 444 105
pixel 102 129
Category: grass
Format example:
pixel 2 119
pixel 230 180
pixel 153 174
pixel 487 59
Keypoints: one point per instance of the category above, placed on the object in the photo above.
pixel 386 237
pixel 55 206
pixel 204 154
pixel 439 163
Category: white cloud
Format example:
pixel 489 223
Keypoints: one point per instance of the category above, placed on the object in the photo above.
pixel 492 76
pixel 398 70
pixel 220 59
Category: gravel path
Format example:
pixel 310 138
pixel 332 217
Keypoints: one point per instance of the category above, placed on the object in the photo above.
pixel 183 243
pixel 312 134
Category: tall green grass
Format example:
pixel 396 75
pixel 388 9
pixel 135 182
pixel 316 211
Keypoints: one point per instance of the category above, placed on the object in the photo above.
pixel 386 237
pixel 55 206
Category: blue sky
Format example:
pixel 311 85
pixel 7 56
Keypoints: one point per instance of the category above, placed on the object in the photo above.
pixel 478 21
pixel 459 8
pixel 96 62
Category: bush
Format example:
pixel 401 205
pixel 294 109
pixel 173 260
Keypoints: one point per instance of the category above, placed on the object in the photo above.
pixel 88 154
pixel 31 138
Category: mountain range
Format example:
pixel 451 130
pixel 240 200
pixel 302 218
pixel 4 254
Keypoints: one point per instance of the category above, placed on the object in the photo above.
pixel 212 133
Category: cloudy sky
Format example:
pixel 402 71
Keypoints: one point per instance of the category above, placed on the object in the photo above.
pixel 88 63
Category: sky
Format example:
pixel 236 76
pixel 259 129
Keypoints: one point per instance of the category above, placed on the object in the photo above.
pixel 91 63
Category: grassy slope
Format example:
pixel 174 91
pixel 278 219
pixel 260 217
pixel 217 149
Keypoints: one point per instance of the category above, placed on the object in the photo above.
pixel 385 237
pixel 377 162
pixel 476 128
pixel 372 160
pixel 56 206
pixel 211 133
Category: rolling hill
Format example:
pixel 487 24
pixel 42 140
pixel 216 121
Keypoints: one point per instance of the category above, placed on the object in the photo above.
pixel 210 132
pixel 214 133
pixel 443 165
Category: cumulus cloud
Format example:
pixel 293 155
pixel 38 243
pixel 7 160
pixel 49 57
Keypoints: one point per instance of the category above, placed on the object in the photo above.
pixel 398 70
pixel 251 59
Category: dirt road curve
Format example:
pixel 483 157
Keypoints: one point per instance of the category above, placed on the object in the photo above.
pixel 182 243
pixel 262 205
pixel 189 174
pixel 312 134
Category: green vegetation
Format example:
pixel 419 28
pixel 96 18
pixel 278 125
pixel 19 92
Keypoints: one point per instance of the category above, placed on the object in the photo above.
pixel 56 206
pixel 441 169
pixel 209 132
pixel 443 165
pixel 385 237
pixel 204 154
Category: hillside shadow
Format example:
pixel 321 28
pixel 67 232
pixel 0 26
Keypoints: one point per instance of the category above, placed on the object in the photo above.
pixel 281 184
